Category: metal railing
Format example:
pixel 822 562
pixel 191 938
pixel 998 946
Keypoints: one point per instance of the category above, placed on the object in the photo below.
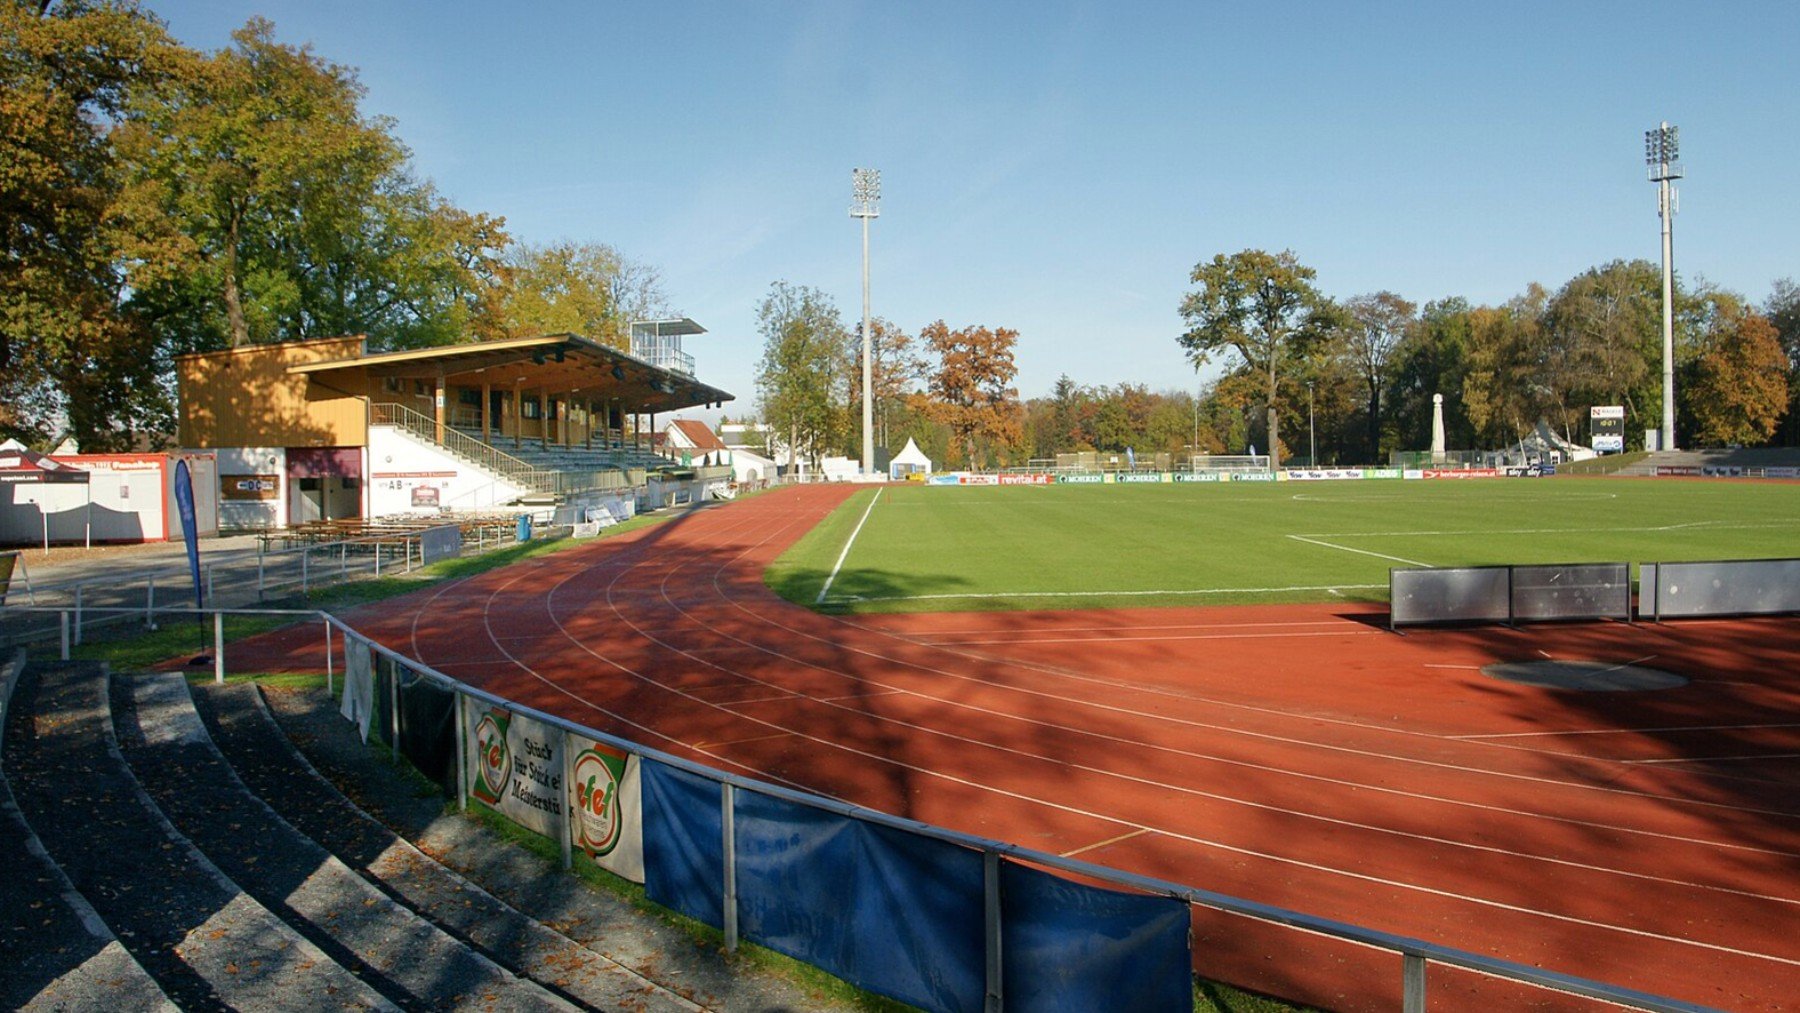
pixel 1416 955
pixel 526 476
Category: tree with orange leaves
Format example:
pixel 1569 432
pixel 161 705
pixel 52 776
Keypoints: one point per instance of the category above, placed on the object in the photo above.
pixel 970 391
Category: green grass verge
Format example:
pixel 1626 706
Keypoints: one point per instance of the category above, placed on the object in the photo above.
pixel 1087 546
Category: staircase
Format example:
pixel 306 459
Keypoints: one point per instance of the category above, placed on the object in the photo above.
pixel 171 849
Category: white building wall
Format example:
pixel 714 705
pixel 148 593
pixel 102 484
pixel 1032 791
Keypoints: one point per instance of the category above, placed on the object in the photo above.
pixel 409 476
pixel 252 487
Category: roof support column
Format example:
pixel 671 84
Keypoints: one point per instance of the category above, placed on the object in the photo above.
pixel 437 404
pixel 487 402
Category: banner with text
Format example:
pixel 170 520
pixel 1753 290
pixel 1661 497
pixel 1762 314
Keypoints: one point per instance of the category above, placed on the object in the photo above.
pixel 517 765
pixel 606 794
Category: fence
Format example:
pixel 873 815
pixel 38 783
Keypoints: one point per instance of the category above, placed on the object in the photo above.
pixel 1726 587
pixel 1513 594
pixel 1509 594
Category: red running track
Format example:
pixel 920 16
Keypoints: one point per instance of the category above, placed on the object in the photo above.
pixel 1297 756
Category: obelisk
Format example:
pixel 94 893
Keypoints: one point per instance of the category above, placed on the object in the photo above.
pixel 1437 429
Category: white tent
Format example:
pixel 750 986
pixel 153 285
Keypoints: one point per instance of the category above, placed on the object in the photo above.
pixel 909 460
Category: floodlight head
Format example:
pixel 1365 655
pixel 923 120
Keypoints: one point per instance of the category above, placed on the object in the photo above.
pixel 1662 152
pixel 865 193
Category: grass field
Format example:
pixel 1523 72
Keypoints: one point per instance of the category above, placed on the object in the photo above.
pixel 1087 546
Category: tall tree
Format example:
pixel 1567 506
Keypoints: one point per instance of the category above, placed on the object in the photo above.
pixel 1605 331
pixel 589 289
pixel 896 371
pixel 1377 323
pixel 284 212
pixel 1257 305
pixel 800 378
pixel 1783 310
pixel 971 391
pixel 68 72
pixel 1738 389
pixel 1432 359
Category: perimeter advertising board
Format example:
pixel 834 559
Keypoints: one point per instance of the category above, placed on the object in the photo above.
pixel 607 798
pixel 516 766
pixel 1606 426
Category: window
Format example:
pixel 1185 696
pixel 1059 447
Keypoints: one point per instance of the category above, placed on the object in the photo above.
pixel 528 407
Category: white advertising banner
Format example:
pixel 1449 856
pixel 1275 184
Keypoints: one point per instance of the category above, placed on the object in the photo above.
pixel 516 766
pixel 607 799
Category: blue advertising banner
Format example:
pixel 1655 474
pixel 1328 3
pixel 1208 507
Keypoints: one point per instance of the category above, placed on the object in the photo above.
pixel 888 910
pixel 1084 949
pixel 184 504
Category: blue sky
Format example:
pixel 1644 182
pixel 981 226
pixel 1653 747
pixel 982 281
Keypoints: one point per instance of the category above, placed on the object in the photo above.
pixel 1059 168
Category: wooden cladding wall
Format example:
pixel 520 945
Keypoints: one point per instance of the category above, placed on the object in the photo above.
pixel 246 398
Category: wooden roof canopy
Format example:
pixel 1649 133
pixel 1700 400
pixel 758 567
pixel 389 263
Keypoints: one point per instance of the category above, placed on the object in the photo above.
pixel 562 365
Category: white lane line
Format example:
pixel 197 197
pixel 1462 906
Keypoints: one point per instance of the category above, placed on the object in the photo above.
pixel 1102 844
pixel 1111 594
pixel 1460 668
pixel 1160 638
pixel 1720 759
pixel 739 742
pixel 820 600
pixel 1360 552
pixel 1628 731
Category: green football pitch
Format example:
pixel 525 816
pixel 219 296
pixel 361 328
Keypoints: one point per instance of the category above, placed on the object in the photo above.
pixel 915 548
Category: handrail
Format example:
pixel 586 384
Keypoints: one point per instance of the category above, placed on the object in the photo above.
pixel 520 473
pixel 1415 953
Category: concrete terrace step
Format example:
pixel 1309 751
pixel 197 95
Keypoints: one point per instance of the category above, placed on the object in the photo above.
pixel 207 944
pixel 262 755
pixel 56 951
pixel 405 957
pixel 600 921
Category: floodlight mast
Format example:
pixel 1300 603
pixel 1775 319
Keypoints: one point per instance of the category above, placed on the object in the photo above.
pixel 865 197
pixel 1662 153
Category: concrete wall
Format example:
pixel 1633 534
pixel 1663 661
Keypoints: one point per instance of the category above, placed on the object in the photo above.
pixel 410 476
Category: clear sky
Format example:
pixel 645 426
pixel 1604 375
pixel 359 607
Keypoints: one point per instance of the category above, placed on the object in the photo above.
pixel 1059 167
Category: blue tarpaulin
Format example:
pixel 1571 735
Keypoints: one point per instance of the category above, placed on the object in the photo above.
pixel 902 914
pixel 684 864
pixel 887 910
pixel 1069 946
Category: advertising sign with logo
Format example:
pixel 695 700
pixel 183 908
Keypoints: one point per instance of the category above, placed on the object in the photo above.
pixel 1199 476
pixel 607 798
pixel 1462 473
pixel 1252 476
pixel 249 487
pixel 1607 428
pixel 1381 473
pixel 1146 477
pixel 517 766
pixel 1025 479
pixel 1080 479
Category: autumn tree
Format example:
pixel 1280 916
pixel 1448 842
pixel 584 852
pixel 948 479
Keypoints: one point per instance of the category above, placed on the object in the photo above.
pixel 1783 310
pixel 589 289
pixel 897 371
pixel 802 376
pixel 1257 305
pixel 68 72
pixel 273 209
pixel 1738 388
pixel 970 391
